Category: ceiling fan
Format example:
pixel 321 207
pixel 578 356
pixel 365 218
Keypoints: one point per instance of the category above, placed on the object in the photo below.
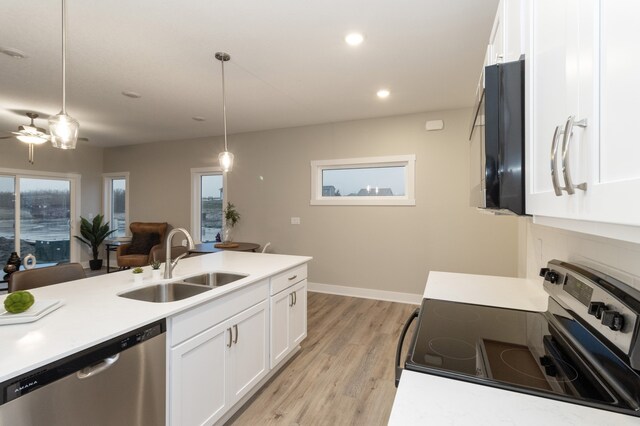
pixel 32 135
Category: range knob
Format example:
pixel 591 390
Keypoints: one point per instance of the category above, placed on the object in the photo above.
pixel 552 277
pixel 596 309
pixel 612 319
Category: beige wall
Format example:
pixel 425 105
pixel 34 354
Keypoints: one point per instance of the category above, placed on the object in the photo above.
pixel 84 160
pixel 383 248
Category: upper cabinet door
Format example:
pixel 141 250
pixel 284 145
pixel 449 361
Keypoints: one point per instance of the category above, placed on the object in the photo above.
pixel 613 197
pixel 562 122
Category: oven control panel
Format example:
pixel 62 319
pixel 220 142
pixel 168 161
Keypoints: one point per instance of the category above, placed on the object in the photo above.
pixel 603 302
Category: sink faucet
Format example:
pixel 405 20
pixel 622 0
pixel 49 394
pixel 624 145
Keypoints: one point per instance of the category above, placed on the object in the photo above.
pixel 168 264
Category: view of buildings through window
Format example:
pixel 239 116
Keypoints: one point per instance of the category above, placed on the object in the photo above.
pixel 363 182
pixel 44 218
pixel 211 190
pixel 118 207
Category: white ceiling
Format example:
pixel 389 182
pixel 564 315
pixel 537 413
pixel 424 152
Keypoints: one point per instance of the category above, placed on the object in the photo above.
pixel 289 63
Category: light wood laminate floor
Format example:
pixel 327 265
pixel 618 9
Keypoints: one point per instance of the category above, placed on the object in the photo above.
pixel 344 373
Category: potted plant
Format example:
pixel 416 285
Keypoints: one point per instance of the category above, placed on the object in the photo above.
pixel 137 274
pixel 156 273
pixel 93 234
pixel 231 217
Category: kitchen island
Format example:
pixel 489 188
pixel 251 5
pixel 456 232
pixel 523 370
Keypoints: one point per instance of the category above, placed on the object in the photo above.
pixel 93 313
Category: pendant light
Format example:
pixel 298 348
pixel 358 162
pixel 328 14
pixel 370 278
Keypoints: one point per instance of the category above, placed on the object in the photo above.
pixel 62 127
pixel 224 158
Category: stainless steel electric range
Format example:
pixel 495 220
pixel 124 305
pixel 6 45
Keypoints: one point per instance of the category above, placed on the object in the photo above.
pixel 585 349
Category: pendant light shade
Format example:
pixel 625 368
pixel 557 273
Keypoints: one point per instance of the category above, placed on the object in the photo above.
pixel 63 128
pixel 225 158
pixel 64 131
pixel 226 161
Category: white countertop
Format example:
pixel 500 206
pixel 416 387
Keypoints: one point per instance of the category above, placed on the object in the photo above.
pixel 503 292
pixel 424 399
pixel 427 399
pixel 93 312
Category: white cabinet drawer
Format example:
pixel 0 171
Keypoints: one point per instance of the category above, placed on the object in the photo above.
pixel 288 278
pixel 196 320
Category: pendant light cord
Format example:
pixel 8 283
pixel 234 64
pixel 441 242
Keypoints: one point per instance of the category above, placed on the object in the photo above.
pixel 224 109
pixel 64 56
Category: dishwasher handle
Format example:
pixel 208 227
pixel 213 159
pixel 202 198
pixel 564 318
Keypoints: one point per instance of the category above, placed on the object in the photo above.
pixel 413 316
pixel 98 368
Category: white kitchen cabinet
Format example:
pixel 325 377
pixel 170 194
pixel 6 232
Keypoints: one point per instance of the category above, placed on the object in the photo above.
pixel 199 378
pixel 505 40
pixel 288 312
pixel 580 66
pixel 288 321
pixel 560 63
pixel 249 350
pixel 219 351
pixel 615 184
pixel 215 369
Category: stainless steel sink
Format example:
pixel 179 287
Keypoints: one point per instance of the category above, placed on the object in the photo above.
pixel 214 279
pixel 167 292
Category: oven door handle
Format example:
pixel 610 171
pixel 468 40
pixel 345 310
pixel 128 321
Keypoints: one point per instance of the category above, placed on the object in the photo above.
pixel 413 316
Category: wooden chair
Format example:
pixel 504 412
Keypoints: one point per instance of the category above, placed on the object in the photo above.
pixel 127 257
pixel 40 277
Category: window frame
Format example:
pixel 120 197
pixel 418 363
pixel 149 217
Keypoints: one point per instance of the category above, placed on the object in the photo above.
pixel 74 203
pixel 196 196
pixel 107 191
pixel 406 161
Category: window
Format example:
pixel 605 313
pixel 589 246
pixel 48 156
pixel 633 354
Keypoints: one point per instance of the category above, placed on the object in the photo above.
pixel 37 215
pixel 207 202
pixel 116 202
pixel 364 181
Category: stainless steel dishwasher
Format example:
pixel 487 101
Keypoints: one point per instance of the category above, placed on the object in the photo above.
pixel 118 382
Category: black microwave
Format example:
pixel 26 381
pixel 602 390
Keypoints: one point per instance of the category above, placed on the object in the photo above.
pixel 500 110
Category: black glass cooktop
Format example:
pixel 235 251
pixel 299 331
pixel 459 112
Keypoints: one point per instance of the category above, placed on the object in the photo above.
pixel 516 350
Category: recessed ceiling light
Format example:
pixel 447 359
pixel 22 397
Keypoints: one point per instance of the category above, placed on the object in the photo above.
pixel 130 94
pixel 354 39
pixel 383 93
pixel 14 53
pixel 199 118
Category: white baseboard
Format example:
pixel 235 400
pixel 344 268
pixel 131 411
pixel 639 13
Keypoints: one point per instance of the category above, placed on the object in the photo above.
pixel 366 293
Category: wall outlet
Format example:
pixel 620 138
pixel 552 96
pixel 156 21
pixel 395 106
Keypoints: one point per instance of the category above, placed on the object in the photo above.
pixel 184 243
pixel 295 221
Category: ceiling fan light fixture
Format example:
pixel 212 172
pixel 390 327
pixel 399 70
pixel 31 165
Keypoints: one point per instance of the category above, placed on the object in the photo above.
pixel 32 139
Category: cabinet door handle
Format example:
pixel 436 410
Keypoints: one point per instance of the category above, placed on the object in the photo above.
pixel 230 337
pixel 554 165
pixel 290 299
pixel 235 328
pixel 566 142
pixel 293 277
pixel 295 297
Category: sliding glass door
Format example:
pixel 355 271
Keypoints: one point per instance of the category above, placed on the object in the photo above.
pixel 7 218
pixel 36 217
pixel 45 219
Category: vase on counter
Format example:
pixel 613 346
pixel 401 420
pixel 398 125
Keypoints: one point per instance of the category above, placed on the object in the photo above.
pixel 156 274
pixel 227 233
